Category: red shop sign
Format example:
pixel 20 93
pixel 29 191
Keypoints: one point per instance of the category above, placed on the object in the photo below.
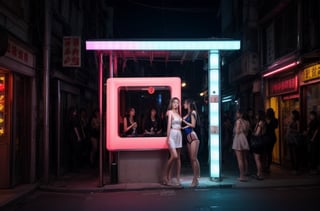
pixel 284 86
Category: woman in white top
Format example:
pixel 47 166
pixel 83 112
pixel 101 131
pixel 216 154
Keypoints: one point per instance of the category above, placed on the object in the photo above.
pixel 240 145
pixel 174 140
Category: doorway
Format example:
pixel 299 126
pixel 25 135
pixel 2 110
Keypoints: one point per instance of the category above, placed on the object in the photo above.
pixel 21 130
pixel 286 107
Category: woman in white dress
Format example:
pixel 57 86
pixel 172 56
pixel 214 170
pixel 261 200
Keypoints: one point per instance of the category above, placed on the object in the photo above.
pixel 240 145
pixel 174 140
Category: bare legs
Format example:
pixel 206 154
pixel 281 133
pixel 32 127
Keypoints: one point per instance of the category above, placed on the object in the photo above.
pixel 242 163
pixel 193 154
pixel 174 156
pixel 257 159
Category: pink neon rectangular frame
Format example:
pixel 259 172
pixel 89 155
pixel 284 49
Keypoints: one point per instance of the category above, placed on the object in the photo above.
pixel 114 141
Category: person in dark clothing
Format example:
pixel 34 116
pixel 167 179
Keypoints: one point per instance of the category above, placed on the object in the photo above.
pixel 271 125
pixel 130 123
pixel 293 139
pixel 152 124
pixel 75 138
pixel 312 136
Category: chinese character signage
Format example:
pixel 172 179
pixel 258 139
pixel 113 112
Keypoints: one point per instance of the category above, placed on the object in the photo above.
pixel 311 73
pixel 71 52
pixel 20 54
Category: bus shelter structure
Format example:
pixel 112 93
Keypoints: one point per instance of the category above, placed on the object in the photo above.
pixel 178 50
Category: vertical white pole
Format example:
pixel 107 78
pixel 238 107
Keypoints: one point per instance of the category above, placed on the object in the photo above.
pixel 214 114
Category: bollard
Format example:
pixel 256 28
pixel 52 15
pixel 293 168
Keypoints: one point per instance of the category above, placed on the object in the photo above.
pixel 114 173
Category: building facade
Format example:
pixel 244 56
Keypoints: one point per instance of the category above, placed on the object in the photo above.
pixel 287 51
pixel 23 30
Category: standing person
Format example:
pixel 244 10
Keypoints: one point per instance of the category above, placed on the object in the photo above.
pixel 240 145
pixel 152 124
pixel 84 124
pixel 271 125
pixel 293 139
pixel 226 134
pixel 94 136
pixel 259 131
pixel 75 138
pixel 191 120
pixel 312 136
pixel 130 123
pixel 174 140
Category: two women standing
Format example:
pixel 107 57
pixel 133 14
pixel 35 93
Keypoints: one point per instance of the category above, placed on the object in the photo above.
pixel 174 138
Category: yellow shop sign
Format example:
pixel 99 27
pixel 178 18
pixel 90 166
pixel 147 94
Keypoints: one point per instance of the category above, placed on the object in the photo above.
pixel 310 73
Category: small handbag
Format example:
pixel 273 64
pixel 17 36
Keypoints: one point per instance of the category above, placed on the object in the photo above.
pixel 258 141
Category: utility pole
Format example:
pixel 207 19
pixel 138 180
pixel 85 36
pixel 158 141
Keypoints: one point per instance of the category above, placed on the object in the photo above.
pixel 46 77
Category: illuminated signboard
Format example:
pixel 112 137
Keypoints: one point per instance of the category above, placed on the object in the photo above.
pixel 283 86
pixel 2 103
pixel 311 73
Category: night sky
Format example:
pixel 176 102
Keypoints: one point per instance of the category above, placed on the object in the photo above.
pixel 165 19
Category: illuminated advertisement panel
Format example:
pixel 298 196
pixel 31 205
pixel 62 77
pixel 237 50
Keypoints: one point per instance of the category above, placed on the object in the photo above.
pixel 140 95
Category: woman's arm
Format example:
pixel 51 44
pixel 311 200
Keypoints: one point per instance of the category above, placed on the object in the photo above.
pixel 169 125
pixel 125 125
pixel 237 131
pixel 193 122
pixel 258 128
pixel 77 133
pixel 315 134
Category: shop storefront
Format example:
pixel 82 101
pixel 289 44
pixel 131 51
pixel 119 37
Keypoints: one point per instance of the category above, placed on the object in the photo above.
pixel 310 87
pixel 283 98
pixel 17 115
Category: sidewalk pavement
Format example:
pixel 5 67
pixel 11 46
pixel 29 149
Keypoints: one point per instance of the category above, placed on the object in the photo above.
pixel 87 181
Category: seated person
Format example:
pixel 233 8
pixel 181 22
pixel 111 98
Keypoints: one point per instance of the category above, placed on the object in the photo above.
pixel 152 124
pixel 129 123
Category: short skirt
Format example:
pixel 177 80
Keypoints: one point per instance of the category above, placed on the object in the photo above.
pixel 240 142
pixel 175 139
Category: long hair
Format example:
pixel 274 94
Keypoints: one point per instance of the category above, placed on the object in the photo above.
pixel 261 115
pixel 270 113
pixel 193 107
pixel 127 115
pixel 171 102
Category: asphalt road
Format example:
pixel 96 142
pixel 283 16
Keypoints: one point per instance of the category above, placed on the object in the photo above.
pixel 298 198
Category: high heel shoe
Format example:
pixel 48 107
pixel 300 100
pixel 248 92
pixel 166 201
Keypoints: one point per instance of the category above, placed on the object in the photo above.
pixel 165 182
pixel 194 183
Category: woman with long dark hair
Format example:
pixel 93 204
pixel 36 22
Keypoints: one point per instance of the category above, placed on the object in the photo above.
pixel 129 123
pixel 293 139
pixel 191 119
pixel 259 131
pixel 152 124
pixel 271 126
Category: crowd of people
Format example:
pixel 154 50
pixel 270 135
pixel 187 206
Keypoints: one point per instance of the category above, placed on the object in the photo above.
pixel 254 134
pixel 83 135
pixel 251 135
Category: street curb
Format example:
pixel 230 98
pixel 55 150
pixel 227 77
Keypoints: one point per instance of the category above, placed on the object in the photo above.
pixel 126 187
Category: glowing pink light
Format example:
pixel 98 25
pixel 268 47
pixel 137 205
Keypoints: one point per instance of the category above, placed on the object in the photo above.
pixel 164 45
pixel 280 69
pixel 113 140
